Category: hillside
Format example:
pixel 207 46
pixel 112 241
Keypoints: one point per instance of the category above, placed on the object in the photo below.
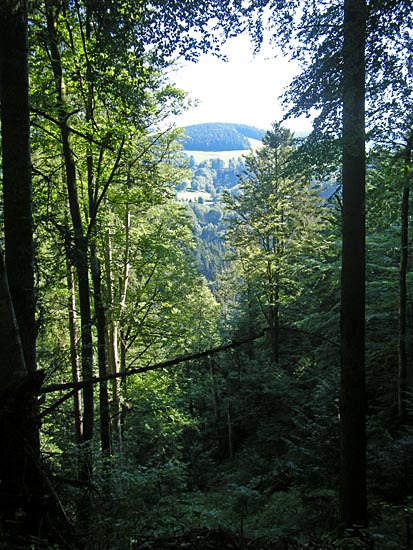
pixel 217 137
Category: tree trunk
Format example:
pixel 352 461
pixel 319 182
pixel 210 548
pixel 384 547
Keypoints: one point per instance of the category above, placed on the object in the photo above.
pixel 230 432
pixel 116 341
pixel 16 168
pixel 404 252
pixel 80 241
pixel 352 494
pixel 21 487
pixel 80 262
pixel 101 337
pixel 74 355
pixel 113 343
pixel 100 314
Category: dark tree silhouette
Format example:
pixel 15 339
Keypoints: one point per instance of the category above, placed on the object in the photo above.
pixel 21 492
pixel 353 499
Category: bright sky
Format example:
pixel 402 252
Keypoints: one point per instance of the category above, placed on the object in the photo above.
pixel 244 90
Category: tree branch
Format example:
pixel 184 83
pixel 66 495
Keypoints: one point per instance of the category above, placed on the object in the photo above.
pixel 102 144
pixel 76 386
pixel 171 363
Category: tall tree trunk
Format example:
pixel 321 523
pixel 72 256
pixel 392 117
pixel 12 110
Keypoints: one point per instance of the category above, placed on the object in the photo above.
pixel 116 340
pixel 404 252
pixel 101 338
pixel 80 240
pixel 113 345
pixel 99 308
pixel 16 168
pixel 353 493
pixel 404 256
pixel 80 261
pixel 74 355
pixel 21 487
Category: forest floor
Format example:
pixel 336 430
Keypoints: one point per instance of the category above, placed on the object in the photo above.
pixel 222 539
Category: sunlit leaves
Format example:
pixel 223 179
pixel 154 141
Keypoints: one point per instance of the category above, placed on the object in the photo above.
pixel 274 221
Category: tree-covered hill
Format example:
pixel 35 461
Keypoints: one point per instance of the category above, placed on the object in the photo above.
pixel 220 136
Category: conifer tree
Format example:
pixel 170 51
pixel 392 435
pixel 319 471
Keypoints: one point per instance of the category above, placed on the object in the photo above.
pixel 273 224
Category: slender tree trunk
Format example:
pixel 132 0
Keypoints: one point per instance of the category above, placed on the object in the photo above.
pixel 113 345
pixel 80 261
pixel 80 241
pixel 126 259
pixel 101 340
pixel 404 252
pixel 123 301
pixel 74 355
pixel 230 432
pixel 116 341
pixel 353 494
pixel 100 314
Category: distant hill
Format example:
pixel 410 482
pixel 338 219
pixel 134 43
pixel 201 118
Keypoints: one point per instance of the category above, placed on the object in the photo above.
pixel 220 136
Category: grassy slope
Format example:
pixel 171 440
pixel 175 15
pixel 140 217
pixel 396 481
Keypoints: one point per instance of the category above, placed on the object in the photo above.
pixel 201 156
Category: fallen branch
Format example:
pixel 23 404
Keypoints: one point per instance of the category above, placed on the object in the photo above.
pixel 76 386
pixel 165 364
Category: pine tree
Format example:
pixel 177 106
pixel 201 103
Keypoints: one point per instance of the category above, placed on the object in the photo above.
pixel 273 225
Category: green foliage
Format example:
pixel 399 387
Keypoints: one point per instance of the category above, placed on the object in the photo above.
pixel 237 439
pixel 274 226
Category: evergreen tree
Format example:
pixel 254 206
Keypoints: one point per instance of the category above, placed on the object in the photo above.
pixel 273 226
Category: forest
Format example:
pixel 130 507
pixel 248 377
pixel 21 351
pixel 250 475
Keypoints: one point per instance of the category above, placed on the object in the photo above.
pixel 228 372
pixel 220 136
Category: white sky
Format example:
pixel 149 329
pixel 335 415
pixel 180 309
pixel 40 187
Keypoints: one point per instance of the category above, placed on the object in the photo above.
pixel 244 90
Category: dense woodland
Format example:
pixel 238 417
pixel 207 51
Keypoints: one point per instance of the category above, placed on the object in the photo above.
pixel 233 371
pixel 220 136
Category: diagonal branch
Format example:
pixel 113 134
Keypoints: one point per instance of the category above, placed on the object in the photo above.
pixel 73 387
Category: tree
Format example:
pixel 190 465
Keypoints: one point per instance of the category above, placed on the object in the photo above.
pixel 387 211
pixel 340 99
pixel 71 46
pixel 21 486
pixel 17 190
pixel 353 488
pixel 391 130
pixel 273 223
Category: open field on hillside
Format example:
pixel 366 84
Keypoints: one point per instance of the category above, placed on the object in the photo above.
pixel 226 156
